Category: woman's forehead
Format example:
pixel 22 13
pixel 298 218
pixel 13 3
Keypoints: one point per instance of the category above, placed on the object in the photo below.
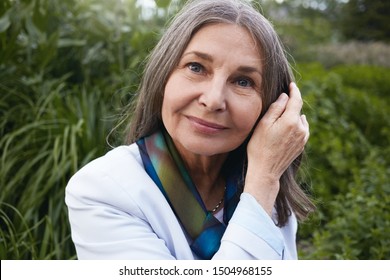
pixel 224 40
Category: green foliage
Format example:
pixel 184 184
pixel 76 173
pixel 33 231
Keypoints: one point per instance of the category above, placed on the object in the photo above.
pixel 67 67
pixel 366 20
pixel 348 161
pixel 358 20
pixel 63 76
pixel 163 3
pixel 333 31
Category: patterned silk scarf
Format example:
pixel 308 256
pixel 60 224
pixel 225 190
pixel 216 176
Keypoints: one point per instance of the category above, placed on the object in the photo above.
pixel 164 165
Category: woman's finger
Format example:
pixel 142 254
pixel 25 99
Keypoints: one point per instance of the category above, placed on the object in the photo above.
pixel 295 102
pixel 306 126
pixel 276 109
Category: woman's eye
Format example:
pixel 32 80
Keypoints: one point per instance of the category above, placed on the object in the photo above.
pixel 195 67
pixel 244 82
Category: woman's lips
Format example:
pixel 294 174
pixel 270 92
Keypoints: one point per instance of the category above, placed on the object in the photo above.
pixel 206 127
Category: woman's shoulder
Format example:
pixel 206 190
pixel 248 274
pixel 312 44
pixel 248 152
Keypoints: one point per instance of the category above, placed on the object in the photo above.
pixel 115 160
pixel 117 176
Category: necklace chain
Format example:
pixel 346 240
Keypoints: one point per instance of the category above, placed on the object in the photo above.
pixel 219 203
pixel 217 206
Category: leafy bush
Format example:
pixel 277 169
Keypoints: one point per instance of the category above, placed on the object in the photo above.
pixel 349 162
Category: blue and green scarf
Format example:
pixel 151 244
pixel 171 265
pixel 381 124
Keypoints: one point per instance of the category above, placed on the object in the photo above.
pixel 164 165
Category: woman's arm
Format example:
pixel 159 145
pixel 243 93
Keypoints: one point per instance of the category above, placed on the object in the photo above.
pixel 278 139
pixel 252 234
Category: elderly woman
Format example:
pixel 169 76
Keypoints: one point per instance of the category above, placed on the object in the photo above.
pixel 214 144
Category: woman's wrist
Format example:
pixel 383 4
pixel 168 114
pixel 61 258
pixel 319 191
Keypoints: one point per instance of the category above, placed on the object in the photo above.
pixel 264 188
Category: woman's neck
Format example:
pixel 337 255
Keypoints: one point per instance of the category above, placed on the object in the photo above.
pixel 205 171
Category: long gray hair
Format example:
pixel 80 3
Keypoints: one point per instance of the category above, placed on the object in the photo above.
pixel 146 111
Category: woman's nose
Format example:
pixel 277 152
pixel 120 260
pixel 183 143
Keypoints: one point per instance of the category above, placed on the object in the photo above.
pixel 213 96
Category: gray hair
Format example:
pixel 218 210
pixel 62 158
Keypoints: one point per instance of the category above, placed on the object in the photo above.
pixel 277 75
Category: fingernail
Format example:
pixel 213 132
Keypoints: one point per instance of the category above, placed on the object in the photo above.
pixel 283 97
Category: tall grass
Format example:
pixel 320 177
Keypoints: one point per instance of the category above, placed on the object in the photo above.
pixel 63 79
pixel 48 132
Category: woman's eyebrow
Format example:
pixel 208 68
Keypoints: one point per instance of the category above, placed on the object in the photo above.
pixel 244 69
pixel 248 69
pixel 202 55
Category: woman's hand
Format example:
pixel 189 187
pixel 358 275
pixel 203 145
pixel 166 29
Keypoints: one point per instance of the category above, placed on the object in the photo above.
pixel 277 140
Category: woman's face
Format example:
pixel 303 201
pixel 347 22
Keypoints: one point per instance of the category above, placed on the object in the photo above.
pixel 212 98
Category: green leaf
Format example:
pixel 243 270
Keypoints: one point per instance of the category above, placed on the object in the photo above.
pixel 71 43
pixel 4 23
pixel 162 3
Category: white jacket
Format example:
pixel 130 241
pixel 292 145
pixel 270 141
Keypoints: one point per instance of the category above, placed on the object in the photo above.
pixel 117 212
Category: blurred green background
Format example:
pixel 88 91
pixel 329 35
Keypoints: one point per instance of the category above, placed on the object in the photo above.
pixel 69 67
